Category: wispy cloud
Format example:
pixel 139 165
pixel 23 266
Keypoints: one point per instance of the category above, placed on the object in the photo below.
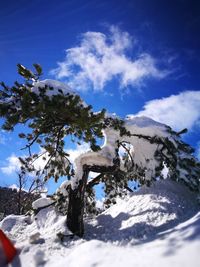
pixel 12 166
pixel 80 149
pixel 73 153
pixel 99 58
pixel 178 111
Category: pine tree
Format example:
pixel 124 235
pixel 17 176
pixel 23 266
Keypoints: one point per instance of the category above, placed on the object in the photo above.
pixel 50 116
pixel 51 111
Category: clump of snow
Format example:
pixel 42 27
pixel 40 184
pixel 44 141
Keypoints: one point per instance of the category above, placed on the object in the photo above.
pixel 158 226
pixel 63 188
pixel 142 154
pixel 143 121
pixel 142 151
pixel 57 88
pixel 104 157
pixel 47 223
pixel 56 85
pixel 42 202
pixel 12 222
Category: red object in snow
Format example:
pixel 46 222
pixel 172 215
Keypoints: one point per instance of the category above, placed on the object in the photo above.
pixel 7 248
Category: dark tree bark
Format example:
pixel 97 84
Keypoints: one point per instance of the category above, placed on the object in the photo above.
pixel 76 206
pixel 75 211
pixel 20 194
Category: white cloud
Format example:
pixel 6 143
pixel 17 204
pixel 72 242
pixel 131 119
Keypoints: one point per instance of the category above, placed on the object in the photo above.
pixel 100 58
pixel 13 165
pixel 73 153
pixel 14 186
pixel 178 111
pixel 80 149
pixel 39 164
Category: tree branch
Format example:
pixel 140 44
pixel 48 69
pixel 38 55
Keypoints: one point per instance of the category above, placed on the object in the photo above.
pixel 128 151
pixel 95 181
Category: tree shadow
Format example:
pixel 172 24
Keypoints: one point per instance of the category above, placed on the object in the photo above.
pixel 102 229
pixel 109 229
pixel 182 235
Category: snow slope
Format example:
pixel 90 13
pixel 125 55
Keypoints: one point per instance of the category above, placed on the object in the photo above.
pixel 156 226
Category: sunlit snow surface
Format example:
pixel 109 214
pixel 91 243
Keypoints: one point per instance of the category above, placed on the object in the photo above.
pixel 157 226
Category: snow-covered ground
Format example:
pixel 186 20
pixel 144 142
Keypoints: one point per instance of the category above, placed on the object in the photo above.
pixel 157 226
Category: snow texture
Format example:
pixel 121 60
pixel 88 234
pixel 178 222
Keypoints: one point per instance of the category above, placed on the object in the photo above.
pixel 143 151
pixel 142 157
pixel 157 226
pixel 63 188
pixel 56 85
pixel 41 202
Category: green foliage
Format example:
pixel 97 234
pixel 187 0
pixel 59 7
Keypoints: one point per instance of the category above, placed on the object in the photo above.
pixel 62 202
pixel 50 119
pixel 176 155
pixel 117 125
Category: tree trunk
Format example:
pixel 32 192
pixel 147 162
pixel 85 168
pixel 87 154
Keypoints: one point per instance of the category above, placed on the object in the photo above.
pixel 76 206
pixel 76 198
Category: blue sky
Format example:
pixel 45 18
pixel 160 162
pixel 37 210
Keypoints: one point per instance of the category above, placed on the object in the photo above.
pixel 130 57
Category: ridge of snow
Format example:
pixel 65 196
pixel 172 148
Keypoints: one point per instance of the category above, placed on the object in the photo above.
pixel 156 226
pixel 143 121
pixel 146 212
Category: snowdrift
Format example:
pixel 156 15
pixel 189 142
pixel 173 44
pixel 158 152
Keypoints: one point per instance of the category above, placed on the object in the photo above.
pixel 155 226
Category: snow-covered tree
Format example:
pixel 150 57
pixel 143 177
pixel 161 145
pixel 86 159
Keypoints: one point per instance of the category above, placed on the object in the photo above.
pixel 51 111
pixel 151 150
pixel 135 149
